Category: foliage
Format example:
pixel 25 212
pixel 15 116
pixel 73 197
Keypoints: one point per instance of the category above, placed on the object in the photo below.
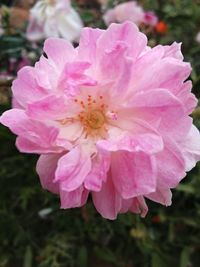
pixel 35 232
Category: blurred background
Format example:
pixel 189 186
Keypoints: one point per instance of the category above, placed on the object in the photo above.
pixel 34 232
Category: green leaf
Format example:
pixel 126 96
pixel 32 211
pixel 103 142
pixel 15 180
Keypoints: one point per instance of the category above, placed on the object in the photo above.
pixel 157 261
pixel 106 255
pixel 82 257
pixel 28 258
pixel 185 257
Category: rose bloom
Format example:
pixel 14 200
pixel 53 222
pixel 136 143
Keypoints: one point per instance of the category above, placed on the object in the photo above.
pixel 109 118
pixel 150 18
pixel 125 11
pixel 54 18
pixel 130 11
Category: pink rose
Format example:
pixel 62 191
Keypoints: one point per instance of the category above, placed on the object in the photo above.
pixel 150 18
pixel 126 11
pixel 109 118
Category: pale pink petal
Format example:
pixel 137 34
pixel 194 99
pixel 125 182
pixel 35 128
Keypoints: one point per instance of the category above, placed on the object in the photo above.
pixel 126 34
pixel 161 108
pixel 126 205
pixel 162 195
pixel 46 167
pixel 25 88
pixel 72 169
pixel 34 131
pixel 73 199
pixel 27 146
pixel 43 70
pixel 73 77
pixel 191 148
pixel 173 50
pixel 107 201
pixel 98 173
pixel 170 164
pixel 186 97
pixel 88 44
pixel 116 55
pixel 134 174
pixel 71 131
pixel 148 143
pixel 15 104
pixel 139 206
pixel 59 51
pixel 48 108
pixel 171 72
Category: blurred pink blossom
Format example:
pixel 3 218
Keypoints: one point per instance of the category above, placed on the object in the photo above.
pixel 110 118
pixel 131 11
pixel 54 18
pixel 150 18
pixel 125 11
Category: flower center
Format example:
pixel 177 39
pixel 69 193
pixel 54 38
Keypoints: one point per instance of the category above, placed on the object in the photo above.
pixel 93 115
pixel 95 119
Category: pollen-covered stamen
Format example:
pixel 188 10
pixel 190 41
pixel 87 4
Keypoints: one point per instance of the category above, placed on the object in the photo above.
pixel 95 119
pixel 66 121
pixel 93 114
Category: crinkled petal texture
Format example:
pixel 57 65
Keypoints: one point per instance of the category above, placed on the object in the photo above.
pixel 109 118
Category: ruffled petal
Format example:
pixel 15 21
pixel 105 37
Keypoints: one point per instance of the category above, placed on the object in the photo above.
pixel 34 131
pixel 25 88
pixel 98 173
pixel 162 195
pixel 134 174
pixel 73 199
pixel 72 169
pixel 191 148
pixel 59 51
pixel 46 167
pixel 107 201
pixel 171 165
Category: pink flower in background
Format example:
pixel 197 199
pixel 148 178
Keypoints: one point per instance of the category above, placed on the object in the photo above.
pixel 150 18
pixel 54 18
pixel 109 118
pixel 125 11
pixel 131 11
